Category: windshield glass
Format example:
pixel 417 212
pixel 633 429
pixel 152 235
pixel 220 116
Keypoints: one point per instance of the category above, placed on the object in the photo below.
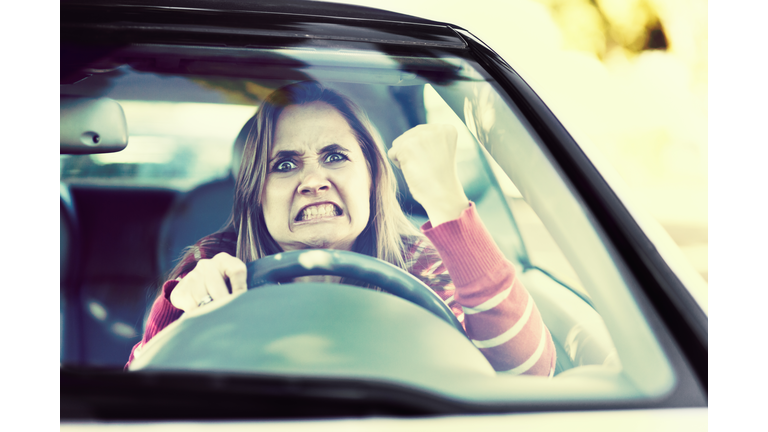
pixel 135 213
pixel 173 144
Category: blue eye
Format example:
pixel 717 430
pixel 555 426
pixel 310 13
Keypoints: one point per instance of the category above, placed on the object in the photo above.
pixel 335 157
pixel 284 166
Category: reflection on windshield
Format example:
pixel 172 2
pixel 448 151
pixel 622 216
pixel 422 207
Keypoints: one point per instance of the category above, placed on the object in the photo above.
pixel 307 349
pixel 479 114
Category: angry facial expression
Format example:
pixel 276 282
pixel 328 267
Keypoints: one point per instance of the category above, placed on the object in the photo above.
pixel 318 185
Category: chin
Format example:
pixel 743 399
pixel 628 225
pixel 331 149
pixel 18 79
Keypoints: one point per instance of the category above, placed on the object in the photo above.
pixel 317 242
pixel 320 236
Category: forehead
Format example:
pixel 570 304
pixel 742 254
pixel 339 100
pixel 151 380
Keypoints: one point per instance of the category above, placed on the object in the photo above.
pixel 311 126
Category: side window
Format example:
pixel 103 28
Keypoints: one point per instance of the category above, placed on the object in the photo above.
pixel 536 246
pixel 612 316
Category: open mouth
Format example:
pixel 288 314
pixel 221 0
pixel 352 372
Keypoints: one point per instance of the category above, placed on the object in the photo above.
pixel 318 211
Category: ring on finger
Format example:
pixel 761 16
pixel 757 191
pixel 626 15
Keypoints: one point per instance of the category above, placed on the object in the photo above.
pixel 207 299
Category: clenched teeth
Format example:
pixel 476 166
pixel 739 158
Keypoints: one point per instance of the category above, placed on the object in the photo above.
pixel 318 211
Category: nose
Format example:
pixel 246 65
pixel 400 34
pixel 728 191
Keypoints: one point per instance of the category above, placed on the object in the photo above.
pixel 313 181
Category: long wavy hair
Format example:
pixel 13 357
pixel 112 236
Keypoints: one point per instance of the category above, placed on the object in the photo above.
pixel 388 229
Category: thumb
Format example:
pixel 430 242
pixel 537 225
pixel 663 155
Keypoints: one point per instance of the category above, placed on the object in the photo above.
pixel 392 153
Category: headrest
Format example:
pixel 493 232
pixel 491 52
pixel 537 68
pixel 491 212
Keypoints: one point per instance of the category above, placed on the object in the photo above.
pixel 237 149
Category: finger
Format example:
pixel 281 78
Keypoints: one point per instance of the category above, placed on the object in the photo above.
pixel 196 286
pixel 234 270
pixel 183 295
pixel 213 280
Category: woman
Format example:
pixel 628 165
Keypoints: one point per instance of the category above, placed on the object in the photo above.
pixel 313 176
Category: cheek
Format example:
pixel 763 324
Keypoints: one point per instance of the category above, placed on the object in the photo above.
pixel 274 201
pixel 362 192
pixel 267 196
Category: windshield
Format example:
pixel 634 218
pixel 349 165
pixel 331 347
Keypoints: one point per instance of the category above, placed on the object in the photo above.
pixel 136 211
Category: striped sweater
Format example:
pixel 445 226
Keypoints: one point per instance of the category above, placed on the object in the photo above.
pixel 468 272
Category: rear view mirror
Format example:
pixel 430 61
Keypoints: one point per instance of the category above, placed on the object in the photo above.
pixel 92 125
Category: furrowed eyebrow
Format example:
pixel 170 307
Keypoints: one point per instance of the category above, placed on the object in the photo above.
pixel 333 148
pixel 285 154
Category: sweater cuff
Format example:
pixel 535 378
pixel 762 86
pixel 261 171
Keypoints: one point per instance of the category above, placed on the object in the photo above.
pixel 168 286
pixel 466 247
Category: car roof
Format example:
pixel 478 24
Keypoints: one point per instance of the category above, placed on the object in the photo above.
pixel 241 18
pixel 296 7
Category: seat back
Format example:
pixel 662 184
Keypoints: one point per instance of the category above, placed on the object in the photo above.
pixel 579 333
pixel 69 280
pixel 200 211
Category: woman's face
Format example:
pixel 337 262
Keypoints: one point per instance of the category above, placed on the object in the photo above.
pixel 318 184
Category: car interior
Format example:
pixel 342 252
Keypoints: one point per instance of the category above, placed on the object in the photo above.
pixel 124 223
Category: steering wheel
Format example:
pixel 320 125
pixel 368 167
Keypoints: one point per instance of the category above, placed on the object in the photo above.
pixel 285 266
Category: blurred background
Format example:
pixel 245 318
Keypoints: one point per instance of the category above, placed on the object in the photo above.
pixel 627 77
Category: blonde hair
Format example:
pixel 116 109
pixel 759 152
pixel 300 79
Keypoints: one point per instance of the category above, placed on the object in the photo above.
pixel 388 229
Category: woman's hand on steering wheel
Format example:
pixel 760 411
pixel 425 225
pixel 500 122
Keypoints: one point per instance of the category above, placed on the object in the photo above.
pixel 208 281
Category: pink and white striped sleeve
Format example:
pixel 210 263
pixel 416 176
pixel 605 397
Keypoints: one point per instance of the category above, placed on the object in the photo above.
pixel 498 313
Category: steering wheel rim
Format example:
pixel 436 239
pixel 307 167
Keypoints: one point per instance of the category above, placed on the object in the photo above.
pixel 285 266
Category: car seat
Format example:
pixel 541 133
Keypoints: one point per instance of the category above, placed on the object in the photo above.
pixel 69 279
pixel 200 211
